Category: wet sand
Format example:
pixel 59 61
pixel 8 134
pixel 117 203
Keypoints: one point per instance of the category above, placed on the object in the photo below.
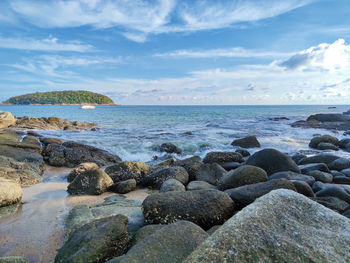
pixel 36 230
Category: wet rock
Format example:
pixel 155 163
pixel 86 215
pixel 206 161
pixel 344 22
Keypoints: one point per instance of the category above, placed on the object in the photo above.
pixel 192 165
pixel 124 187
pixel 199 185
pixel 122 171
pixel 91 182
pixel 10 192
pixel 321 176
pixel 96 241
pixel 205 208
pixel 223 157
pixel 157 178
pixel 169 148
pixel 210 173
pixel 303 188
pixel 6 119
pixel 339 164
pixel 293 176
pixel 325 158
pixel 243 152
pixel 245 195
pixel 316 141
pixel 247 142
pixel 327 146
pixel 171 244
pixel 172 185
pixel 80 169
pixel 244 175
pixel 259 234
pixel 273 161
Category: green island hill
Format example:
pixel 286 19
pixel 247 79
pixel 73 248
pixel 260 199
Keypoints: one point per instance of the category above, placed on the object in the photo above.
pixel 68 97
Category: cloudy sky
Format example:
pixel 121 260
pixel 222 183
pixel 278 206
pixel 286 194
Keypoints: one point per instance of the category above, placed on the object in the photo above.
pixel 177 51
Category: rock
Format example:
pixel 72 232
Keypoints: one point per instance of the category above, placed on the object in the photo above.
pixel 293 176
pixel 243 152
pixel 96 241
pixel 273 161
pixel 341 180
pixel 339 164
pixel 336 173
pixel 297 157
pixel 223 157
pixel 245 195
pixel 6 119
pixel 91 182
pixel 169 148
pixel 325 158
pixel 335 191
pixel 231 166
pixel 71 154
pixel 124 187
pixel 199 185
pixel 328 117
pixel 327 146
pixel 192 165
pixel 157 178
pixel 144 232
pixel 303 188
pixel 205 208
pixel 171 244
pixel 321 176
pixel 323 139
pixel 333 203
pixel 346 172
pixel 210 173
pixel 80 169
pixel 171 185
pixel 307 168
pixel 213 229
pixel 10 192
pixel 282 226
pixel 243 175
pixel 283 118
pixel 122 171
pixel 247 142
pixel 342 143
pixel 12 259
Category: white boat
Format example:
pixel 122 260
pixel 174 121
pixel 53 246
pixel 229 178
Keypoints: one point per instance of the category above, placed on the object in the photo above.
pixel 87 107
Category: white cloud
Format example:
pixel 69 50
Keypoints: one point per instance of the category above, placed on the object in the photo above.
pixel 137 19
pixel 234 52
pixel 47 44
pixel 330 57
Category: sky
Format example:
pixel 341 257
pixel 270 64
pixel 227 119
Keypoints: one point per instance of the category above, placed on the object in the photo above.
pixel 177 52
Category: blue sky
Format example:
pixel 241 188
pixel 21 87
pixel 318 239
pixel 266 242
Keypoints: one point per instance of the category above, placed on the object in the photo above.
pixel 179 52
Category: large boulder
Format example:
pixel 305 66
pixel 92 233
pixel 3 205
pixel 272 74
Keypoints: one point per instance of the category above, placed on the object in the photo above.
pixel 96 241
pixel 205 208
pixel 6 119
pixel 323 139
pixel 247 142
pixel 172 185
pixel 157 178
pixel 128 170
pixel 246 174
pixel 91 182
pixel 223 157
pixel 245 195
pixel 210 173
pixel 282 226
pixel 171 244
pixel 80 169
pixel 10 192
pixel 273 161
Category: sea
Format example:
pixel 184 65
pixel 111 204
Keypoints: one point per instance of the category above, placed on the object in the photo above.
pixel 135 132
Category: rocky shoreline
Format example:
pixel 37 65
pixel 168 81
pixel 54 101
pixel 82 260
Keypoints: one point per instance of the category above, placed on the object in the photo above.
pixel 227 207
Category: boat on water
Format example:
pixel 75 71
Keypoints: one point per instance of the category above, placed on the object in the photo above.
pixel 87 107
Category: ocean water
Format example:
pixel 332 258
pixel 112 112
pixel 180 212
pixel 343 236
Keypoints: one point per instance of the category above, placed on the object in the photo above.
pixel 134 132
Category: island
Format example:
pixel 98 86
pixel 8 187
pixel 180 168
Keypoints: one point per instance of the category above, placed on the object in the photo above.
pixel 68 97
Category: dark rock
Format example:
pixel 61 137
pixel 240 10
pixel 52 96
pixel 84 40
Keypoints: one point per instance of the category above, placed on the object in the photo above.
pixel 327 146
pixel 293 176
pixel 323 139
pixel 325 158
pixel 335 191
pixel 157 178
pixel 342 143
pixel 210 172
pixel 124 187
pixel 346 172
pixel 205 208
pixel 96 241
pixel 243 152
pixel 171 244
pixel 80 169
pixel 247 142
pixel 328 117
pixel 279 119
pixel 145 231
pixel 341 180
pixel 333 203
pixel 231 166
pixel 273 161
pixel 243 175
pixel 169 148
pixel 245 195
pixel 336 173
pixel 171 185
pixel 223 157
pixel 91 182
pixel 303 188
pixel 321 176
pixel 306 168
pixel 199 185
pixel 122 171
pixel 297 157
pixel 192 165
pixel 339 164
pixel 213 229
